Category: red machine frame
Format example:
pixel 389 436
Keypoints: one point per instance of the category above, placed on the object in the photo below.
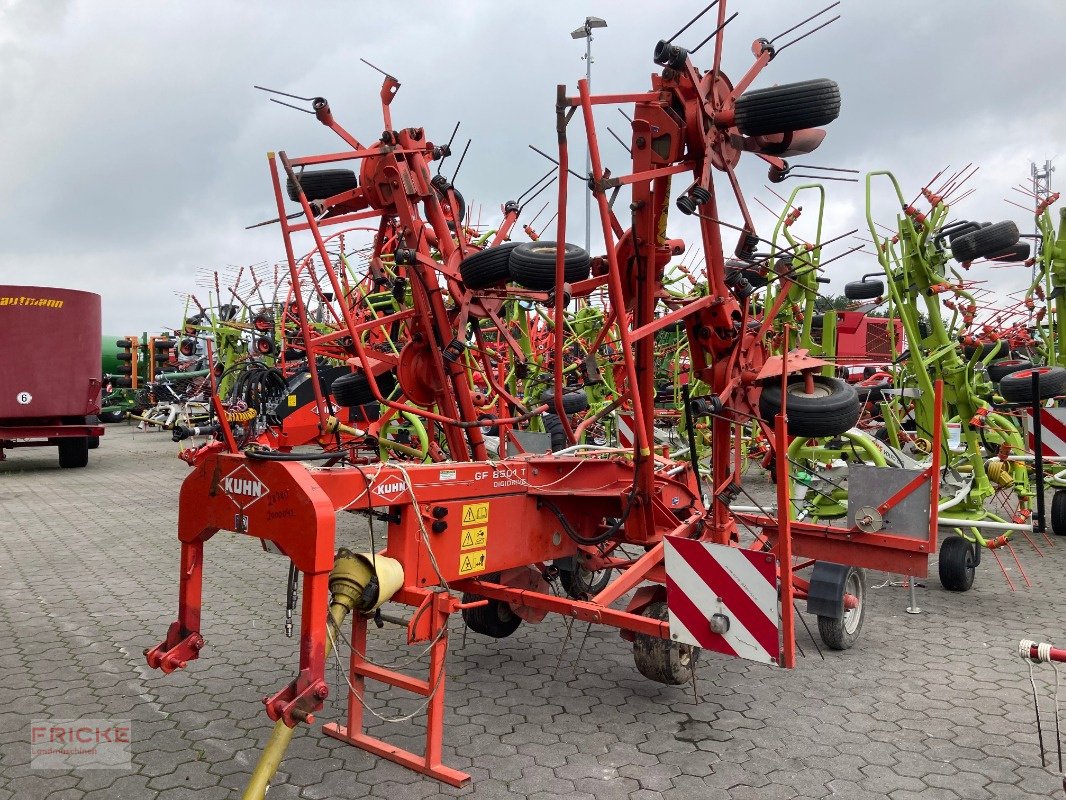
pixel 538 497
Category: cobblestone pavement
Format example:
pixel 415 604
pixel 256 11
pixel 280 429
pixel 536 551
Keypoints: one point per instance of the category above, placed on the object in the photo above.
pixel 933 706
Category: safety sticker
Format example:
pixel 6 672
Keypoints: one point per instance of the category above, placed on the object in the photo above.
pixel 474 537
pixel 475 514
pixel 471 562
pixel 292 401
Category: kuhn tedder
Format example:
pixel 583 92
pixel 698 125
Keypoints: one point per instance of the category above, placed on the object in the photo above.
pixel 481 530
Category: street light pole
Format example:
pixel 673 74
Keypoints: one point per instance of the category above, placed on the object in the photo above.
pixel 585 32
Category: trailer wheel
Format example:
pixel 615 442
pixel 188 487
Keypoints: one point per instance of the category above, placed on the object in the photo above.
pixel 532 264
pixel 841 633
pixel 663 660
pixel 831 409
pixel 1058 513
pixel 112 416
pixel 73 452
pixel 1017 387
pixel 958 564
pixel 985 241
pixel 788 107
pixel 353 389
pixel 94 441
pixel 319 184
pixel 487 267
pixel 1002 367
pixel 864 290
pixel 495 619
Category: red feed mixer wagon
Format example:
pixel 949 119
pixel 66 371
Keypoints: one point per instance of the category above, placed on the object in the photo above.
pixel 50 371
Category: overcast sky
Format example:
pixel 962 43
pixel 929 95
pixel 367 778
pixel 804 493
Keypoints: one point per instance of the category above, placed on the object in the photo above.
pixel 134 147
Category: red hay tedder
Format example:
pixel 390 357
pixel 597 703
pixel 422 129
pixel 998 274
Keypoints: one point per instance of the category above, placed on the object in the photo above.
pixel 477 536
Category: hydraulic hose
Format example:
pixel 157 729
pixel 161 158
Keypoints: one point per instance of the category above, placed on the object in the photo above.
pixel 274 751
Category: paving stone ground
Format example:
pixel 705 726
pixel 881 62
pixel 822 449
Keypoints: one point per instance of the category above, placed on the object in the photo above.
pixel 929 706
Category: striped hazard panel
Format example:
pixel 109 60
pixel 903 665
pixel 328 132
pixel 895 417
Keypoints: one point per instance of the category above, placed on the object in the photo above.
pixel 712 586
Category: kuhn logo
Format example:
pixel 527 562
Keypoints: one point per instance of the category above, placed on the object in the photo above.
pixel 391 490
pixel 243 487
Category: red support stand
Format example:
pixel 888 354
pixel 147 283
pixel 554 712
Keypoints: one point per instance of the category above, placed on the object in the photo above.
pixel 360 669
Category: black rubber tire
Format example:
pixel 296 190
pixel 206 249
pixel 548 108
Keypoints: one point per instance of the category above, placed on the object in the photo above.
pixel 756 278
pixel 319 184
pixel 112 416
pixel 1002 367
pixel 573 402
pixel 532 264
pixel 73 452
pixel 873 394
pixel 833 409
pixel 124 356
pixel 864 290
pixel 957 564
pixel 842 633
pixel 985 241
pixel 788 107
pixel 553 426
pixel 353 390
pixel 1018 386
pixel 662 660
pixel 118 382
pixel 460 212
pixel 489 267
pixel 94 441
pixel 495 619
pixel 1058 513
pixel 581 583
pixel 817 322
pixel 968 351
pixel 1020 252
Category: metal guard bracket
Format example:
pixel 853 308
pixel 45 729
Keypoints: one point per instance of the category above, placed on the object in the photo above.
pixel 798 361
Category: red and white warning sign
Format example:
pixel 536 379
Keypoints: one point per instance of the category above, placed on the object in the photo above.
pixel 1053 431
pixel 722 598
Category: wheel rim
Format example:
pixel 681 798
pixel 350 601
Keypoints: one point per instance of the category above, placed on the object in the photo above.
pixel 853 616
pixel 797 390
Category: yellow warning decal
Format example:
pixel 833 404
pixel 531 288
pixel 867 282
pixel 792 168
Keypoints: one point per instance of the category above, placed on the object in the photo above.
pixel 471 562
pixel 474 537
pixel 475 514
pixel 292 401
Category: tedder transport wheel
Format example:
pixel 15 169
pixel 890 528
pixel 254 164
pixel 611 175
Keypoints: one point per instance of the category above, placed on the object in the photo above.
pixel 831 409
pixel 662 660
pixel 573 401
pixel 1002 367
pixel 487 267
pixel 73 452
pixel 533 264
pixel 319 184
pixel 1017 387
pixel 495 619
pixel 957 564
pixel 1058 513
pixel 580 583
pixel 986 241
pixel 864 290
pixel 788 107
pixel 353 389
pixel 841 633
